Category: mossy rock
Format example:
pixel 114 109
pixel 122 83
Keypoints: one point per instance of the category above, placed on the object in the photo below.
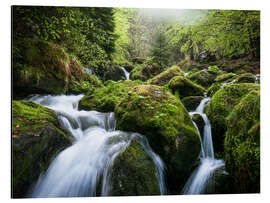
pixel 45 68
pixel 87 84
pixel 36 139
pixel 145 71
pixel 105 99
pixel 197 118
pixel 226 77
pixel 134 173
pixel 204 77
pixel 114 73
pixel 246 78
pixel 213 89
pixel 185 87
pixel 221 104
pixel 162 118
pixel 192 102
pixel 164 77
pixel 39 67
pixel 242 144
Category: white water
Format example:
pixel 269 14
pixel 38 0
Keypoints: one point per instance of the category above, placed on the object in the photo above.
pixel 89 70
pixel 79 169
pixel 126 73
pixel 202 176
pixel 257 79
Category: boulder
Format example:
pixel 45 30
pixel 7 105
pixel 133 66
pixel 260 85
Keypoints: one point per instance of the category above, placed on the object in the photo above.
pixel 246 78
pixel 105 99
pixel 145 72
pixel 221 104
pixel 162 118
pixel 184 87
pixel 226 77
pixel 133 173
pixel 192 102
pixel 164 77
pixel 114 73
pixel 204 77
pixel 242 144
pixel 36 139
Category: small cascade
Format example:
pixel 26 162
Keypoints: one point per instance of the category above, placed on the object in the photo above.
pixel 202 175
pixel 126 73
pixel 257 79
pixel 89 70
pixel 78 170
pixel 228 83
pixel 185 73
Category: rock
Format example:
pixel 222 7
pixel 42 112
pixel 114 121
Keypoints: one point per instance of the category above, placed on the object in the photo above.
pixel 157 114
pixel 39 67
pixel 226 77
pixel 221 104
pixel 36 139
pixel 213 89
pixel 133 173
pixel 114 73
pixel 197 118
pixel 242 143
pixel 246 78
pixel 106 98
pixel 184 87
pixel 145 72
pixel 192 102
pixel 164 77
pixel 204 77
pixel 138 60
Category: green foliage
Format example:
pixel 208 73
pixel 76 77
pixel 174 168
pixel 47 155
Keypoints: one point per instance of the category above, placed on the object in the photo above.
pixel 87 33
pixel 214 68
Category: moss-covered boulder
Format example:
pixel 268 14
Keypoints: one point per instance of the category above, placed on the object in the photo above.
pixel 226 77
pixel 246 78
pixel 221 104
pixel 45 68
pixel 145 71
pixel 164 77
pixel 106 98
pixel 134 173
pixel 192 102
pixel 204 77
pixel 242 144
pixel 213 89
pixel 162 118
pixel 114 73
pixel 185 87
pixel 36 139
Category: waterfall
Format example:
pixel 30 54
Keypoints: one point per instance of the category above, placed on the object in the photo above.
pixel 80 168
pixel 89 70
pixel 126 73
pixel 202 175
pixel 257 79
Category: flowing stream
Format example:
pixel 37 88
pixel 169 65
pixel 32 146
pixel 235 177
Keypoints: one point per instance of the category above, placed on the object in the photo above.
pixel 202 175
pixel 126 73
pixel 77 170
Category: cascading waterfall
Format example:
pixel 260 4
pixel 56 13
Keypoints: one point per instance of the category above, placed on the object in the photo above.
pixel 202 176
pixel 126 73
pixel 77 170
pixel 89 70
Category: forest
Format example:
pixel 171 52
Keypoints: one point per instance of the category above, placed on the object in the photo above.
pixel 134 102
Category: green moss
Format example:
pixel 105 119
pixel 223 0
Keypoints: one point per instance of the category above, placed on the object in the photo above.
pixel 242 143
pixel 133 173
pixel 214 68
pixel 246 78
pixel 213 89
pixel 162 118
pixel 221 104
pixel 204 77
pixel 36 138
pixel 164 77
pixel 105 99
pixel 145 71
pixel 185 87
pixel 227 77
